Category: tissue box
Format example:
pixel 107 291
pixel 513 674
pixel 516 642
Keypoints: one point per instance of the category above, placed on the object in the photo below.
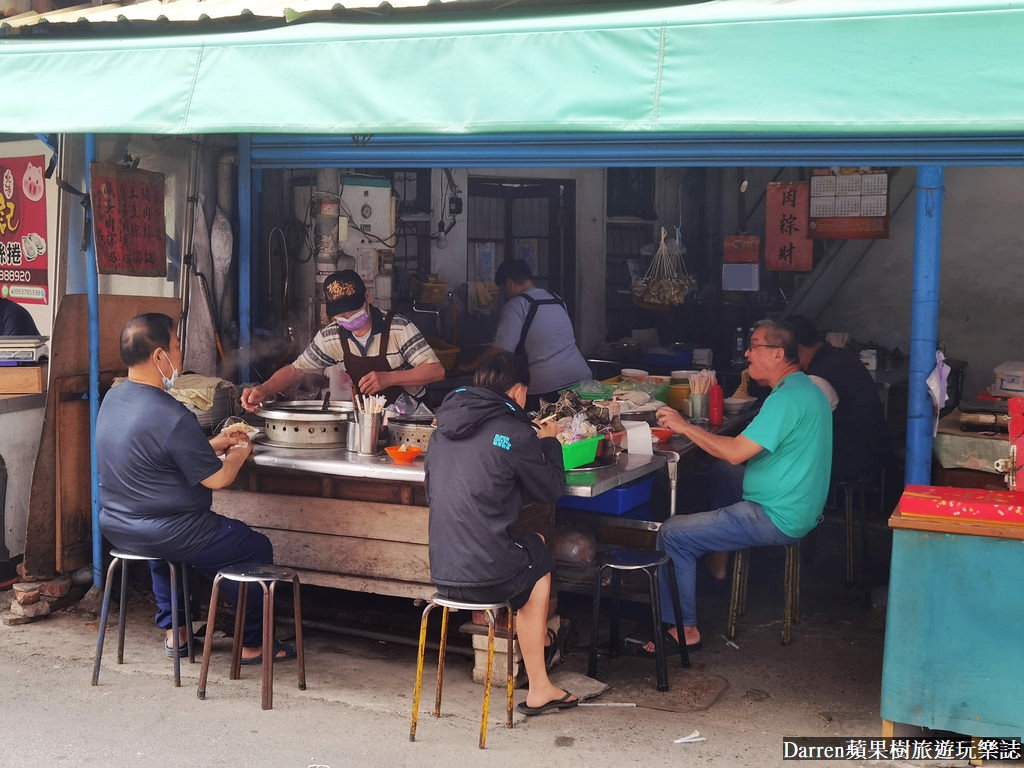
pixel 973 505
pixel 1009 379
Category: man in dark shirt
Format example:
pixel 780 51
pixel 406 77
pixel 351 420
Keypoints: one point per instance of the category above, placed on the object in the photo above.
pixel 15 320
pixel 859 436
pixel 157 473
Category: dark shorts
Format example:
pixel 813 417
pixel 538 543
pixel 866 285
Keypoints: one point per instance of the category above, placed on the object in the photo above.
pixel 518 589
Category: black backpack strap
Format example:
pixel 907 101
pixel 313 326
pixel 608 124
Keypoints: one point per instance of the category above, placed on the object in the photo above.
pixel 531 313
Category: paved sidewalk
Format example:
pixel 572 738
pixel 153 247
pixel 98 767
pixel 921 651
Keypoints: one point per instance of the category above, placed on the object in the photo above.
pixel 356 709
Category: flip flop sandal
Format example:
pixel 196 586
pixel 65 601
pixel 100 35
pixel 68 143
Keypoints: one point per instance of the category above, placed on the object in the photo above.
pixel 566 702
pixel 289 653
pixel 169 650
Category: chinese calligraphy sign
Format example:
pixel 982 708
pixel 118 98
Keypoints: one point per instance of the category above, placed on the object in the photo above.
pixel 787 244
pixel 128 219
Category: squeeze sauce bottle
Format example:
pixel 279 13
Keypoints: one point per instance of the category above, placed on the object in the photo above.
pixel 715 406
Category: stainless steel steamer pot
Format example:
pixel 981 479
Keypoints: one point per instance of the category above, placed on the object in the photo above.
pixel 304 423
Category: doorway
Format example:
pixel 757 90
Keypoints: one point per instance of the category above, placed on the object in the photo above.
pixel 529 219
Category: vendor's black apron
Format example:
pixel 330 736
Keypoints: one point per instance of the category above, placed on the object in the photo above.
pixel 358 366
pixel 531 313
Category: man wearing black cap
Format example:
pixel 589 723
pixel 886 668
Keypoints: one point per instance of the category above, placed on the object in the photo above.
pixel 383 354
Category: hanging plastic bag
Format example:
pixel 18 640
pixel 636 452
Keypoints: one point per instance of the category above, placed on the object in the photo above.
pixel 667 283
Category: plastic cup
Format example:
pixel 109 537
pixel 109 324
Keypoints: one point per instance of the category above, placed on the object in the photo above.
pixel 699 408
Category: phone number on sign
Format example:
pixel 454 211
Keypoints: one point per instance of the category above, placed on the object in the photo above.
pixel 15 275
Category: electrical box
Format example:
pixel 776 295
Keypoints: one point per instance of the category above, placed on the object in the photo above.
pixel 367 203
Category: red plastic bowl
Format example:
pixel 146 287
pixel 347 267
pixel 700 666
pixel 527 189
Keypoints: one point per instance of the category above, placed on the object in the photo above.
pixel 662 433
pixel 403 457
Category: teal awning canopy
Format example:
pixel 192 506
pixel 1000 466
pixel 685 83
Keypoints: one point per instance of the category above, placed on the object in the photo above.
pixel 766 67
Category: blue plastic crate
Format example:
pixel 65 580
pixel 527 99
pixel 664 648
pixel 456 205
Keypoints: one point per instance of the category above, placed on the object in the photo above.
pixel 614 502
pixel 674 361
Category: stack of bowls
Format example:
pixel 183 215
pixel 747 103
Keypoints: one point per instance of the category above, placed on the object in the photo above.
pixel 679 391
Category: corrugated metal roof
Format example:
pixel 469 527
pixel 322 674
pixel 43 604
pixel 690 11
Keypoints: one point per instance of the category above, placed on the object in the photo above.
pixel 94 19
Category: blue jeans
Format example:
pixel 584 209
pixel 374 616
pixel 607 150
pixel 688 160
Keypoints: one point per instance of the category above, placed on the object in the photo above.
pixel 686 537
pixel 235 543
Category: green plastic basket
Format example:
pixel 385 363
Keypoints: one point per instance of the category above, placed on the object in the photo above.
pixel 580 453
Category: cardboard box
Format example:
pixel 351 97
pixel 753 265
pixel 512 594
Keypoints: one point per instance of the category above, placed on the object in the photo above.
pixel 22 379
pixel 973 505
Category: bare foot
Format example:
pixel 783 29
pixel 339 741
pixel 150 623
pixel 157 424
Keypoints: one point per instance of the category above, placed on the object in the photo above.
pixel 253 653
pixel 692 635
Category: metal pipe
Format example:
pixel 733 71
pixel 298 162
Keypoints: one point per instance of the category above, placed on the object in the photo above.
pixel 187 236
pixel 577 149
pixel 924 321
pixel 245 239
pixel 93 290
pixel 385 637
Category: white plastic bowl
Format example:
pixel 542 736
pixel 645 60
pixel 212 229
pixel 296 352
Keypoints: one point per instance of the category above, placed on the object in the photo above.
pixel 735 404
pixel 633 373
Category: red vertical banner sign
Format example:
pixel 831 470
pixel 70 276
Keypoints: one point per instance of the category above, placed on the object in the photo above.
pixel 787 246
pixel 128 218
pixel 23 246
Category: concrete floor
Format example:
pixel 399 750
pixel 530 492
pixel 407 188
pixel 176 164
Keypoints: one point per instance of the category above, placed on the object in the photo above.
pixel 741 699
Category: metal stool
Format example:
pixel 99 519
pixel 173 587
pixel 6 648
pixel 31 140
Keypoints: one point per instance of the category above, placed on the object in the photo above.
pixel 648 561
pixel 490 611
pixel 120 558
pixel 791 591
pixel 263 575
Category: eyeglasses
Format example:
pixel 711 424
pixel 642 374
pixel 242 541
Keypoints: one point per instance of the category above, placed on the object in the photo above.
pixel 763 346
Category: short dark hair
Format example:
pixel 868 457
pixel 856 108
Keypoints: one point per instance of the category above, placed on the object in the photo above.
pixel 780 334
pixel 501 372
pixel 516 270
pixel 807 335
pixel 143 335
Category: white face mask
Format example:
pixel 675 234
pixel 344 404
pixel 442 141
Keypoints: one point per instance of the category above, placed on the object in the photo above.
pixel 168 382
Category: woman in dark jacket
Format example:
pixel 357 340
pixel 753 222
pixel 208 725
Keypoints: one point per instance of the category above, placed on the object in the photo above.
pixel 484 457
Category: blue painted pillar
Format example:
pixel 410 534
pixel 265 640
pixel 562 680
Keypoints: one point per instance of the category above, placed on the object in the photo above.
pixel 93 290
pixel 924 322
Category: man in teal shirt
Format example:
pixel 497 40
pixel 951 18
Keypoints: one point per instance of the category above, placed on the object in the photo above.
pixel 788 451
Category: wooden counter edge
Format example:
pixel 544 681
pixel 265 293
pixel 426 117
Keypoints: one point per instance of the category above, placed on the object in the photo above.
pixel 937 525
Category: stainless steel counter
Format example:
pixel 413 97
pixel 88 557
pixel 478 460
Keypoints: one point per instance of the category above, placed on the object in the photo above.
pixel 341 463
pixel 337 462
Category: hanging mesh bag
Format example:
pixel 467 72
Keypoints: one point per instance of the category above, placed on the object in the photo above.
pixel 667 283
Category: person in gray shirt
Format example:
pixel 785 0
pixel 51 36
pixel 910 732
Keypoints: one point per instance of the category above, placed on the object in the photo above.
pixel 535 324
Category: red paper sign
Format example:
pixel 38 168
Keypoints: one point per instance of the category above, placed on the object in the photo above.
pixel 128 219
pixel 787 246
pixel 741 249
pixel 23 245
